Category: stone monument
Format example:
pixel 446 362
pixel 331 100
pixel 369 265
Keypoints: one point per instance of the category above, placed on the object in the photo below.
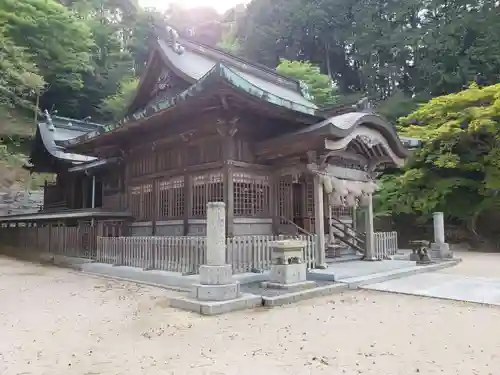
pixel 439 248
pixel 288 269
pixel 216 291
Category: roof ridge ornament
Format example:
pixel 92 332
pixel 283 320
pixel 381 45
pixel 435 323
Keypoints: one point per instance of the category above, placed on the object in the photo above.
pixel 48 117
pixel 304 90
pixel 173 39
pixel 364 105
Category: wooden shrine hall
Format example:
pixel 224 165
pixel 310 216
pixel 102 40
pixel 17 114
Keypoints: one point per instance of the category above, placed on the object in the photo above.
pixel 207 126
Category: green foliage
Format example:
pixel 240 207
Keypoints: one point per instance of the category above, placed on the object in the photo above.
pixel 319 85
pixel 380 47
pixel 57 40
pixel 458 168
pixel 229 43
pixel 114 106
pixel 19 78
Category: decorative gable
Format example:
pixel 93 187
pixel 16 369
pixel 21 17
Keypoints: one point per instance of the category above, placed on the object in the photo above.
pixel 167 85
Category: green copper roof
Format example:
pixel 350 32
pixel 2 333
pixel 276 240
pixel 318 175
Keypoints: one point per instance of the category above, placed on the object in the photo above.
pixel 217 73
pixel 195 63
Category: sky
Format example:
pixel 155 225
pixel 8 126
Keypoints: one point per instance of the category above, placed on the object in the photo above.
pixel 219 5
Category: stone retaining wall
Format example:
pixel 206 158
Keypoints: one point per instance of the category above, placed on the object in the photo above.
pixel 17 201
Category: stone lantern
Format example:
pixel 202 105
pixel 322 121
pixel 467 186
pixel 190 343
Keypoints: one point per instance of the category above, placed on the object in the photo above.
pixel 288 269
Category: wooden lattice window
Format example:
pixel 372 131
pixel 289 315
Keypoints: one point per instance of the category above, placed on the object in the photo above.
pixel 141 201
pixel 251 195
pixel 206 188
pixel 340 211
pixel 171 198
pixel 147 202
pixel 135 201
pixel 285 199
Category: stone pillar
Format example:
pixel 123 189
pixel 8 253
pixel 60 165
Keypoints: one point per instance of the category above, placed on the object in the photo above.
pixel 216 292
pixel 216 277
pixel 438 227
pixel 216 234
pixel 370 232
pixel 439 248
pixel 319 222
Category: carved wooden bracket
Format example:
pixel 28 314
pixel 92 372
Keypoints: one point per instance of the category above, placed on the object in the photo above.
pixel 227 128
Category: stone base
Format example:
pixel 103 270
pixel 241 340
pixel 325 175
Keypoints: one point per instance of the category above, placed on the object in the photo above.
pixel 216 275
pixel 288 273
pixel 321 266
pixel 441 251
pixel 244 301
pixel 414 257
pixel 215 292
pixel 299 285
pixel 424 262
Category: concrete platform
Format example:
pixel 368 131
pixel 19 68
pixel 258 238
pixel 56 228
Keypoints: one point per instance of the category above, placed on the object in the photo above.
pixel 287 298
pixel 364 272
pixel 245 301
pixel 446 286
pixel 165 279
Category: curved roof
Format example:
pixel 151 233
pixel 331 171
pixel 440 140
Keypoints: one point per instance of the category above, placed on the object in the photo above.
pixel 219 73
pixel 195 64
pixel 51 134
pixel 342 125
pixel 340 131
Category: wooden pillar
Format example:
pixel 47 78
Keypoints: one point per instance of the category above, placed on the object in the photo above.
pixel 370 234
pixel 275 202
pixel 155 208
pixel 228 155
pixel 188 197
pixel 229 199
pixel 331 237
pixel 93 191
pixel 319 218
pixel 84 191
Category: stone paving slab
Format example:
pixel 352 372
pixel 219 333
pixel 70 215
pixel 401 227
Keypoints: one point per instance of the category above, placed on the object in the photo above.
pixel 446 286
pixel 349 270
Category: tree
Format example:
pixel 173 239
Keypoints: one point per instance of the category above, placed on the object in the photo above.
pixel 57 40
pixel 19 78
pixel 114 106
pixel 320 86
pixel 458 168
pixel 381 48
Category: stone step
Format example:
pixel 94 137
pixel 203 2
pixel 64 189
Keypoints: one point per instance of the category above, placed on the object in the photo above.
pixel 344 258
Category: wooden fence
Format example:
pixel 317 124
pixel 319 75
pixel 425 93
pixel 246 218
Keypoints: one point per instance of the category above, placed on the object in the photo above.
pixel 186 254
pixel 386 244
pixel 76 241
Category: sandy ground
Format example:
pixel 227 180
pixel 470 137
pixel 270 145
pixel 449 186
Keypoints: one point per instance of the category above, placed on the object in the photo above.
pixel 55 321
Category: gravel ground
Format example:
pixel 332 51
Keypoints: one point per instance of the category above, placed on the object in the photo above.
pixel 55 321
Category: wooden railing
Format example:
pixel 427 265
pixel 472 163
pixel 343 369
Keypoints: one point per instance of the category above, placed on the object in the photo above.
pixel 176 254
pixel 186 254
pixel 386 244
